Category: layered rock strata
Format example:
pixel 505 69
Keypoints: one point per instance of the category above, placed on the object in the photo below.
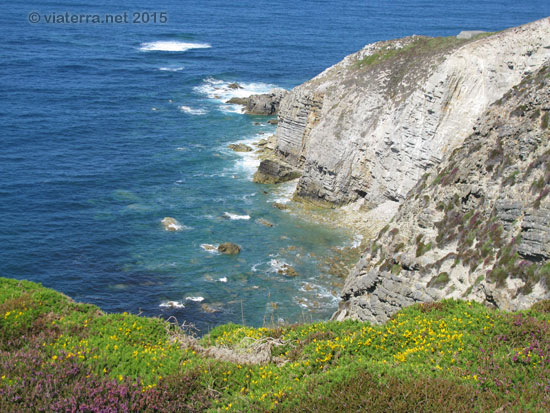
pixel 477 227
pixel 368 128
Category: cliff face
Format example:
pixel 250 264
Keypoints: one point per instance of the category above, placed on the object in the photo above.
pixel 477 227
pixel 445 141
pixel 368 128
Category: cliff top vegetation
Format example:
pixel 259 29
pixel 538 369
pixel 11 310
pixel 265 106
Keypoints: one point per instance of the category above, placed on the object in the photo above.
pixel 56 354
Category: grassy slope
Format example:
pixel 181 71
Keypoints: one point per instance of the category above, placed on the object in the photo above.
pixel 449 356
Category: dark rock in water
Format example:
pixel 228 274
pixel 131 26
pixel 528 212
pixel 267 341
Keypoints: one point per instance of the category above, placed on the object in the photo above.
pixel 288 271
pixel 257 123
pixel 273 121
pixel 280 206
pixel 229 248
pixel 273 172
pixel 265 222
pixel 209 309
pixel 238 101
pixel 240 147
pixel 234 86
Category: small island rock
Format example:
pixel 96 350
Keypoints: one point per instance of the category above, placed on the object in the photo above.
pixel 171 224
pixel 229 248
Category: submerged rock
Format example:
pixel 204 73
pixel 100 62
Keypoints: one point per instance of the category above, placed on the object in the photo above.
pixel 288 271
pixel 229 248
pixel 171 224
pixel 280 206
pixel 209 247
pixel 265 222
pixel 209 308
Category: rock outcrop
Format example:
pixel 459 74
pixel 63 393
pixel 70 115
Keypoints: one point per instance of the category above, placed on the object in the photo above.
pixel 263 104
pixel 477 227
pixel 367 129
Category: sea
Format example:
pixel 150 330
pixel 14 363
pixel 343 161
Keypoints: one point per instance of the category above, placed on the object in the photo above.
pixel 114 116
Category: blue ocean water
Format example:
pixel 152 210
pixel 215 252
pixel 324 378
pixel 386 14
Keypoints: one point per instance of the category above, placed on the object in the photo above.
pixel 108 128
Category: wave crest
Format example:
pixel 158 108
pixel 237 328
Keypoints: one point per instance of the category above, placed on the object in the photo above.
pixel 171 46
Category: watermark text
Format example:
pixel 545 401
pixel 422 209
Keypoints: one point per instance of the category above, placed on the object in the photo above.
pixel 136 17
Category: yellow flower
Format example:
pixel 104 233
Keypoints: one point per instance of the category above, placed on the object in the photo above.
pixel 54 357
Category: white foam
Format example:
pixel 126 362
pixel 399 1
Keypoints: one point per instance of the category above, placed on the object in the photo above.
pixel 246 162
pixel 357 241
pixel 283 192
pixel 222 279
pixel 219 91
pixel 172 69
pixel 236 217
pixel 172 304
pixel 212 249
pixel 277 265
pixel 171 46
pixel 195 299
pixel 172 224
pixel 192 111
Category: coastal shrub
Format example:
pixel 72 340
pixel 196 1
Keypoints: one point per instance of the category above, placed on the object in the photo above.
pixel 422 248
pixel 541 307
pixel 511 179
pixel 439 281
pixel 399 247
pixel 82 359
pixel 365 392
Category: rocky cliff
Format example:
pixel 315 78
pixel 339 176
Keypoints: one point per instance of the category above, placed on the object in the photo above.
pixel 477 227
pixel 440 145
pixel 368 128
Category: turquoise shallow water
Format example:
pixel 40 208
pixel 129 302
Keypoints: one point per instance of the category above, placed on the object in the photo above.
pixel 106 129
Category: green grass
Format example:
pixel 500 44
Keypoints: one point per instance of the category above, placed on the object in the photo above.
pixel 419 47
pixel 447 356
